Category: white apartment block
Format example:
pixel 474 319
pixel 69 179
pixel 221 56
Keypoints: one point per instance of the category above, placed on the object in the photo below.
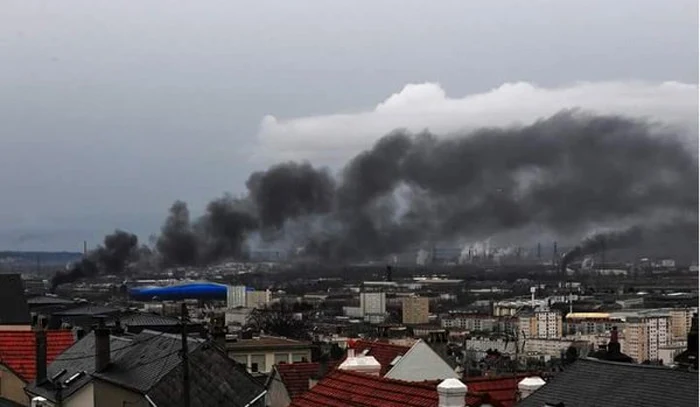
pixel 236 296
pixel 373 303
pixel 549 324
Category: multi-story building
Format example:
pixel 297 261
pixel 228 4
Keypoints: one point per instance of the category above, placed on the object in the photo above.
pixel 527 326
pixel 257 299
pixel 549 324
pixel 236 296
pixel 415 310
pixel 645 335
pixel 470 322
pixel 373 303
pixel 680 321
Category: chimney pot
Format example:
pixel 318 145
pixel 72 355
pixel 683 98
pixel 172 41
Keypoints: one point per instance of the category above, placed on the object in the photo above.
pixel 40 356
pixel 102 351
pixel 452 393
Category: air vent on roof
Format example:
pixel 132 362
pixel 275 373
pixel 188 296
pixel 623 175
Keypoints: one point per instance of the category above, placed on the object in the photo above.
pixel 365 352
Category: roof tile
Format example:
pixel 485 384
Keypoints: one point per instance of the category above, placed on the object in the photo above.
pixel 343 388
pixel 385 353
pixel 295 376
pixel 18 350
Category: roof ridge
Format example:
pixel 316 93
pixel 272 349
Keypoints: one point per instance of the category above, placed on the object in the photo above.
pixel 424 384
pixel 634 365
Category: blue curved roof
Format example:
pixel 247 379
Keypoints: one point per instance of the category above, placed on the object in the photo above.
pixel 197 291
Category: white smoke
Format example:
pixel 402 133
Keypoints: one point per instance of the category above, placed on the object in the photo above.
pixel 333 138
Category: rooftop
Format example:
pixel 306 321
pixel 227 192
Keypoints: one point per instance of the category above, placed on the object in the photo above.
pixel 590 382
pixel 295 376
pixel 13 305
pixel 345 388
pixel 270 342
pixel 502 388
pixel 149 363
pixel 385 353
pixel 18 350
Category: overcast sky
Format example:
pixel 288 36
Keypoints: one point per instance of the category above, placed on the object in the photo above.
pixel 111 110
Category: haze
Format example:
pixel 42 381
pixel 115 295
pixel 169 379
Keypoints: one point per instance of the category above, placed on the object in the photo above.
pixel 110 111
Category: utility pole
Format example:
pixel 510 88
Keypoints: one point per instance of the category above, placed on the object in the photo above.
pixel 185 357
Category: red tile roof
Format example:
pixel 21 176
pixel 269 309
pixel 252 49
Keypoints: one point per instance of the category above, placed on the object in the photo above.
pixel 18 350
pixel 385 353
pixel 342 388
pixel 295 376
pixel 502 388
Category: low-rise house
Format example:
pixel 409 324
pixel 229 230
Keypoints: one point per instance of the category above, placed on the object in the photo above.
pixel 261 353
pixel 143 371
pixel 592 382
pixel 18 353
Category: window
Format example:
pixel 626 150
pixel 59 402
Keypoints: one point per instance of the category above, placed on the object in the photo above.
pixel 298 357
pixel 281 358
pixel 257 363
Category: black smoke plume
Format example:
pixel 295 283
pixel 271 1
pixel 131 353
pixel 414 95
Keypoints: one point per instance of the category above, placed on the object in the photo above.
pixel 637 235
pixel 177 243
pixel 565 174
pixel 118 249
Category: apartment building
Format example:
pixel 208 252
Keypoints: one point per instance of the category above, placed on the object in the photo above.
pixel 373 303
pixel 470 322
pixel 415 310
pixel 549 324
pixel 680 321
pixel 527 326
pixel 644 336
pixel 257 299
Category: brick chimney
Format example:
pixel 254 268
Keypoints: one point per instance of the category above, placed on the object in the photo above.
pixel 102 351
pixel 452 393
pixel 40 335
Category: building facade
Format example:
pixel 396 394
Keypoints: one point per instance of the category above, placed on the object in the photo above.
pixel 415 310
pixel 644 336
pixel 236 296
pixel 549 324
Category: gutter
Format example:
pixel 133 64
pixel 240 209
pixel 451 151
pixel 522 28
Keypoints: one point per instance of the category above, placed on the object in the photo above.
pixel 258 397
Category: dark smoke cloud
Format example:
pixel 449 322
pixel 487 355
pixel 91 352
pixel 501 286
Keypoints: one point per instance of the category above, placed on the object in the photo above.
pixel 85 268
pixel 565 174
pixel 222 231
pixel 118 249
pixel 290 190
pixel 638 235
pixel 177 243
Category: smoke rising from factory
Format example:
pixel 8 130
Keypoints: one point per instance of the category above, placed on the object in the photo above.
pixel 567 174
pixel 119 248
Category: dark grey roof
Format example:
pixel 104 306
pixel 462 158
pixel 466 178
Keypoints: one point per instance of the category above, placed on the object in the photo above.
pixel 147 319
pixel 13 305
pixel 590 382
pixel 78 358
pixel 93 310
pixel 47 300
pixel 216 381
pixel 150 363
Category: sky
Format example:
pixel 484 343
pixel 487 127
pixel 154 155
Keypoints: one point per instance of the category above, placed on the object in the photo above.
pixel 110 111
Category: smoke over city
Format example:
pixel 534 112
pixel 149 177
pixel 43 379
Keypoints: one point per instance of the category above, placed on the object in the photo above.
pixel 566 174
pixel 119 248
